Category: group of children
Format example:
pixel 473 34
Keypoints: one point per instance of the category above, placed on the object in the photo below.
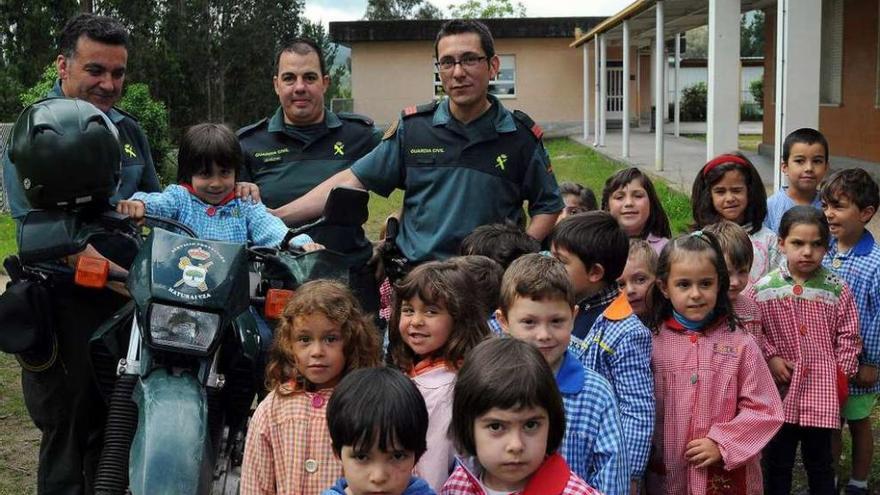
pixel 615 361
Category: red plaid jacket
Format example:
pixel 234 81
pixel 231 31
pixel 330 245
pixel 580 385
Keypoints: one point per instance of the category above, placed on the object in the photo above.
pixel 552 478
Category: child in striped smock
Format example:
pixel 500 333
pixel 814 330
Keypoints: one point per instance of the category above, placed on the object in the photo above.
pixel 717 406
pixel 322 335
pixel 811 342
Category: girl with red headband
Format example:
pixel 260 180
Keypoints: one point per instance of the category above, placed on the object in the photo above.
pixel 730 188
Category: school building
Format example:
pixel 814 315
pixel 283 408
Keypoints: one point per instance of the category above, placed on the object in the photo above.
pixel 821 70
pixel 392 67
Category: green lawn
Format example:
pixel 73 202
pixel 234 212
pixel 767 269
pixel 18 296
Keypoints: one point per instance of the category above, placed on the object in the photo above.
pixel 747 142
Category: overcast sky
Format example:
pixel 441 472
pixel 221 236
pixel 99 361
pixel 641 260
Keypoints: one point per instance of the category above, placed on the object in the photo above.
pixel 352 10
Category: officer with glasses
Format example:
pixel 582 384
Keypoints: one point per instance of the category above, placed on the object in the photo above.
pixel 463 161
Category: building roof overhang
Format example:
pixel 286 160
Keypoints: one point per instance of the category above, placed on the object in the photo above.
pixel 679 16
pixel 426 30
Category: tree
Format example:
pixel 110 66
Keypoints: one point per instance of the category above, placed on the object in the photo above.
pixel 697 41
pixel 337 71
pixel 487 9
pixel 752 34
pixel 382 10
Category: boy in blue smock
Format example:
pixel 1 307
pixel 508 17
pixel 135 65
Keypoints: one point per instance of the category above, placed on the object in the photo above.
pixel 614 342
pixel 537 307
pixel 849 199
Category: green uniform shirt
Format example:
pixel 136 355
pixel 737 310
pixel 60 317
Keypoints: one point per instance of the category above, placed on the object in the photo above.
pixel 458 177
pixel 287 164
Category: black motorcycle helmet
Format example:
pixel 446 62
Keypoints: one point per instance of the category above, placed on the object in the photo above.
pixel 66 152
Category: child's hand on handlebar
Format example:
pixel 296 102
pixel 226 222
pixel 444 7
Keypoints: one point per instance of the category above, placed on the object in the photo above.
pixel 311 246
pixel 133 208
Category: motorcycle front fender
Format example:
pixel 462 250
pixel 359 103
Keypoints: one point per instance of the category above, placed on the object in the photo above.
pixel 170 452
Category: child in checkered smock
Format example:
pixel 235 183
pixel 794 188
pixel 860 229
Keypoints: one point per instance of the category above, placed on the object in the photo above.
pixel 717 406
pixel 738 256
pixel 508 418
pixel 851 199
pixel 204 200
pixel 437 322
pixel 322 335
pixel 811 342
pixel 729 187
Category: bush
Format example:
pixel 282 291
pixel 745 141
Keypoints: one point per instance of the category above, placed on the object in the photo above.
pixel 693 102
pixel 751 112
pixel 153 118
pixel 756 87
pixel 150 113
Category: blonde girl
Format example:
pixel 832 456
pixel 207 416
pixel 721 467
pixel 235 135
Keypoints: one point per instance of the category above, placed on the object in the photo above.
pixel 323 334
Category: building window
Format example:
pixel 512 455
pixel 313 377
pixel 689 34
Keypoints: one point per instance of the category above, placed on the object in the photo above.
pixel 502 86
pixel 831 68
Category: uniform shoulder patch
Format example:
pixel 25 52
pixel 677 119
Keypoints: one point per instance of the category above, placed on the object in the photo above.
pixel 248 128
pixel 355 117
pixel 417 109
pixel 530 124
pixel 391 130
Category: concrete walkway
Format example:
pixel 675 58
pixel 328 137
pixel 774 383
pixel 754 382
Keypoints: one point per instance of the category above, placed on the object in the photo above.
pixel 684 157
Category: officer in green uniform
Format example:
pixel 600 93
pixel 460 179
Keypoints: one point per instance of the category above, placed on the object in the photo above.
pixel 465 161
pixel 303 144
pixel 60 395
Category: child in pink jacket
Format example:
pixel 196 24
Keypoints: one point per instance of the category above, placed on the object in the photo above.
pixel 716 403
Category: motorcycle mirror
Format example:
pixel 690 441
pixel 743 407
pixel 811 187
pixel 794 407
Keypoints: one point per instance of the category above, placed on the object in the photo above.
pixel 91 272
pixel 276 300
pixel 346 206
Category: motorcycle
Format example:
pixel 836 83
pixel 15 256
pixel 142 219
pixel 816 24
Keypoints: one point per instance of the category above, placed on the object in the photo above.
pixel 180 365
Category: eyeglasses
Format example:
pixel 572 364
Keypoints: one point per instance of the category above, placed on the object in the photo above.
pixel 468 61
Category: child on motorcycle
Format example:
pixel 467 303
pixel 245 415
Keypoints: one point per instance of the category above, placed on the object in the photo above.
pixel 204 198
pixel 322 335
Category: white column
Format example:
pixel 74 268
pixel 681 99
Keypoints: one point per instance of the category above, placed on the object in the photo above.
pixel 722 101
pixel 596 85
pixel 586 92
pixel 658 88
pixel 626 102
pixel 603 88
pixel 677 94
pixel 797 71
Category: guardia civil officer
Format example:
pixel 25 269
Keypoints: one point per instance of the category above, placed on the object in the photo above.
pixel 302 144
pixel 58 388
pixel 463 162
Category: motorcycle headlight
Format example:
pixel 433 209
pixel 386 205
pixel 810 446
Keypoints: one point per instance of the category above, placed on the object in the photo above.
pixel 182 328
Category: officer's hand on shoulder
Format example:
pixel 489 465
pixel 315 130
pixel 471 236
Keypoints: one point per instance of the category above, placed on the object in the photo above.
pixel 247 191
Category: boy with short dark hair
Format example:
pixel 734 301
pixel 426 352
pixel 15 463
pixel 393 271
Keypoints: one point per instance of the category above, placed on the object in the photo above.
pixel 537 307
pixel 503 242
pixel 378 423
pixel 616 344
pixel 486 274
pixel 738 255
pixel 850 199
pixel 805 163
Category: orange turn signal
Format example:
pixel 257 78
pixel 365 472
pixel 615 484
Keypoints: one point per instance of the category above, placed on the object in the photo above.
pixel 276 300
pixel 91 272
